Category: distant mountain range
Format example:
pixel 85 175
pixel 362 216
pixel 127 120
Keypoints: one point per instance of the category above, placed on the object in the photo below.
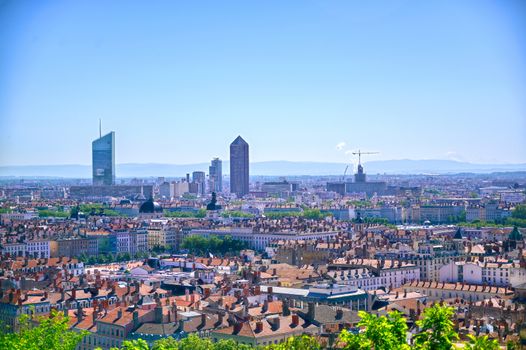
pixel 270 168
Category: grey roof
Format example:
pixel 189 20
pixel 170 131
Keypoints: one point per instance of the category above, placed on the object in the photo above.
pixel 158 328
pixel 325 314
pixel 239 141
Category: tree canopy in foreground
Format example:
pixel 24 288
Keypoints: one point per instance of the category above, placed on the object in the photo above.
pixel 389 332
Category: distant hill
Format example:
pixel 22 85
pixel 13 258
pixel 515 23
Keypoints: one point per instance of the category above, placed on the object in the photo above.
pixel 271 168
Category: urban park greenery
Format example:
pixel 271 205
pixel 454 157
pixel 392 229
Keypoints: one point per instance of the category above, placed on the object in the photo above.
pixel 199 245
pixel 201 213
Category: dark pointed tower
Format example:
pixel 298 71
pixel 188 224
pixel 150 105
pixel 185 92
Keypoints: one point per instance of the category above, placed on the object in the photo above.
pixel 239 167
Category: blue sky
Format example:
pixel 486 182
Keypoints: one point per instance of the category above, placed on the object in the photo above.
pixel 179 80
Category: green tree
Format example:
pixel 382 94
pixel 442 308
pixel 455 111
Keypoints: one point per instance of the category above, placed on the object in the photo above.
pixel 519 212
pixel 230 344
pixel 53 214
pixel 236 214
pixel 216 245
pixel 166 344
pixel 380 333
pixel 282 214
pixel 303 342
pixel 134 345
pixel 193 342
pixel 314 214
pixel 51 333
pixel 437 331
pixel 481 343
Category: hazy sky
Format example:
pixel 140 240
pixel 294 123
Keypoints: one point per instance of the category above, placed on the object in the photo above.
pixel 299 80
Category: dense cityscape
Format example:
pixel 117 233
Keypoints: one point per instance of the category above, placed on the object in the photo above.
pixel 231 258
pixel 262 175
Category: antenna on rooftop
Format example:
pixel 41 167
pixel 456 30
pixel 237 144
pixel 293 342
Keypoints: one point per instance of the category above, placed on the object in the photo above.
pixel 100 128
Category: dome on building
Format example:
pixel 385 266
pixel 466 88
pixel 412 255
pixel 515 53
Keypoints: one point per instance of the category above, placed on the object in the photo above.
pixel 150 207
pixel 458 234
pixel 515 235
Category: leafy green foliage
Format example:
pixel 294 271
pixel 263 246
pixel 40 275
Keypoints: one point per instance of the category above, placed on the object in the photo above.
pixel 315 214
pixel 437 331
pixel 236 214
pixel 185 214
pixel 381 333
pixel 282 214
pixel 481 343
pixel 51 333
pixel 377 332
pixel 93 209
pixel 303 342
pixel 360 204
pixel 134 345
pixel 519 212
pixel 312 214
pixel 109 258
pixel 194 342
pixel 200 245
pixel 52 214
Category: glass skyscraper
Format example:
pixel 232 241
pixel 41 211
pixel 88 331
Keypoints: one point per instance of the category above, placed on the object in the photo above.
pixel 103 160
pixel 239 167
pixel 215 172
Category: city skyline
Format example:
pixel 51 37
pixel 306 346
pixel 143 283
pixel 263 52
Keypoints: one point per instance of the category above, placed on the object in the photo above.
pixel 302 83
pixel 266 175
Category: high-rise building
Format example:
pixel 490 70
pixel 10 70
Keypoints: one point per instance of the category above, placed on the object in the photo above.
pixel 239 167
pixel 103 160
pixel 199 178
pixel 215 172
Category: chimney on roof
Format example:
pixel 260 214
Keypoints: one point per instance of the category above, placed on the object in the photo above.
pixel 135 319
pixel 311 313
pixel 94 316
pixel 339 314
pixel 119 313
pixel 237 327
pixel 259 326
pixel 219 320
pixel 275 322
pixel 80 314
pixel 158 313
pixel 285 307
pixel 203 320
pixel 295 321
pixel 181 326
pixel 264 308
